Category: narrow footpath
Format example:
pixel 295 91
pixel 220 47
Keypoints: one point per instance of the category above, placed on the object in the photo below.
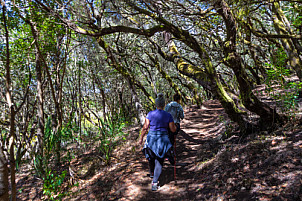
pixel 262 166
pixel 194 143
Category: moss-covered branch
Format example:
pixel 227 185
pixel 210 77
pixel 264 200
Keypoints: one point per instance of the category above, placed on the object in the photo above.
pixel 250 101
pixel 164 74
pixel 123 71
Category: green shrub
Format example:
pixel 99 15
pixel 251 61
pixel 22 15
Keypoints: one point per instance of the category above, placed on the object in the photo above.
pixel 276 79
pixel 52 185
pixel 110 134
pixel 52 181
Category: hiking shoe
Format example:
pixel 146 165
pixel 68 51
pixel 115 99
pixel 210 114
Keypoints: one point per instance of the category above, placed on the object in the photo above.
pixel 154 186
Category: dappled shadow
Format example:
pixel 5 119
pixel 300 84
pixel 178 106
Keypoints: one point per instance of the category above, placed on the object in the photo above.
pixel 127 178
pixel 258 167
pixel 25 184
pixel 199 128
pixel 189 138
pixel 268 168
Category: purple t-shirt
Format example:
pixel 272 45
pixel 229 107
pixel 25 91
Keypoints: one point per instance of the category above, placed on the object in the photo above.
pixel 159 120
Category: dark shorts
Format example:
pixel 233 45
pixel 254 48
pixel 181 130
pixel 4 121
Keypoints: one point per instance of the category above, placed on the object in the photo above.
pixel 158 145
pixel 150 155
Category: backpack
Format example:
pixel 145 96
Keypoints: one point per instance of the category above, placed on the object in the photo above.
pixel 173 110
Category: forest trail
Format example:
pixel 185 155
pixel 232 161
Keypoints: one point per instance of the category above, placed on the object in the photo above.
pixel 259 167
pixel 126 178
pixel 198 130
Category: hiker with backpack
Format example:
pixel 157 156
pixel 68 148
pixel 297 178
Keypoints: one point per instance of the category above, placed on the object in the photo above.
pixel 175 109
pixel 157 144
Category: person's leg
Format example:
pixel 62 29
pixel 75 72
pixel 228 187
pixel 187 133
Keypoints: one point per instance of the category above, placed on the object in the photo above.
pixel 158 169
pixel 151 166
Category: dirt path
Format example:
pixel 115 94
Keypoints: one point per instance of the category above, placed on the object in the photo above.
pixel 198 129
pixel 260 167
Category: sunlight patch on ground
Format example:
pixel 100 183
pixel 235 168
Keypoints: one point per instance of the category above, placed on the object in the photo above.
pixel 204 164
pixel 193 131
pixel 133 191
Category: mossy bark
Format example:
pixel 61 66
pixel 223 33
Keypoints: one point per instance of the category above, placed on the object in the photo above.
pixel 267 115
pixel 40 110
pixel 209 75
pixel 206 77
pixel 165 75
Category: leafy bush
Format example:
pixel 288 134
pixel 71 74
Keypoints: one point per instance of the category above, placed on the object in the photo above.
pixel 109 135
pixel 52 181
pixel 52 185
pixel 276 78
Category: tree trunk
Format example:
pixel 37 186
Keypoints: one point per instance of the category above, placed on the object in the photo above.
pixel 59 129
pixel 268 115
pixel 199 74
pixel 101 88
pixel 103 103
pixel 12 155
pixel 40 107
pixel 53 93
pixel 216 86
pixel 54 125
pixel 4 196
pixel 12 112
pixel 80 101
pixel 59 105
pixel 3 161
pixel 58 132
pixel 138 106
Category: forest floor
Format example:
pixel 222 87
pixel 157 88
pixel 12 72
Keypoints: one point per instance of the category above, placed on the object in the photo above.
pixel 260 166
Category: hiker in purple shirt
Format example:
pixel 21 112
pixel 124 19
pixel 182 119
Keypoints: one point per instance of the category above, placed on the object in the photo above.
pixel 157 144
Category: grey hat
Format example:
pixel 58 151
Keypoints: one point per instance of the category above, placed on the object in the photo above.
pixel 160 100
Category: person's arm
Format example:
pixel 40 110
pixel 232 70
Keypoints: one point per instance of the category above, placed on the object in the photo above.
pixel 144 130
pixel 172 127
